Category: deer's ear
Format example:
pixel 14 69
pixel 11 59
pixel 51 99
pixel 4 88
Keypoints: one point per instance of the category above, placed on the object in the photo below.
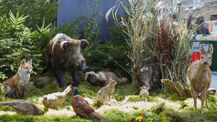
pixel 202 49
pixel 210 50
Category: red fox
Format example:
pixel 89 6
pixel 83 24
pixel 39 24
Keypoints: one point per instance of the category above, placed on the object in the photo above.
pixel 19 81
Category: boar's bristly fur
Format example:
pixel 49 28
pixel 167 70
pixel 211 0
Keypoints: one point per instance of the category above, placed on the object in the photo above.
pixel 65 54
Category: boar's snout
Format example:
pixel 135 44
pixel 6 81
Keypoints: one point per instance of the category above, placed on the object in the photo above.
pixel 81 64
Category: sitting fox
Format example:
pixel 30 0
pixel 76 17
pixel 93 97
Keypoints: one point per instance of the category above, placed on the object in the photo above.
pixel 19 81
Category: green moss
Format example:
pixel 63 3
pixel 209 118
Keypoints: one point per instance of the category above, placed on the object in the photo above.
pixel 207 121
pixel 175 97
pixel 183 105
pixel 158 108
pixel 152 99
pixel 138 113
pixel 118 116
pixel 30 118
pixel 6 108
pixel 119 97
pixel 134 107
pixel 127 89
pixel 169 94
pixel 86 89
pixel 188 114
pixel 136 99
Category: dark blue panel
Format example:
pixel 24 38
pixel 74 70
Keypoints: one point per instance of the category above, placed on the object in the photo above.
pixel 70 9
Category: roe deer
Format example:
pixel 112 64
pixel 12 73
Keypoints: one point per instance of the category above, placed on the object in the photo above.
pixel 199 75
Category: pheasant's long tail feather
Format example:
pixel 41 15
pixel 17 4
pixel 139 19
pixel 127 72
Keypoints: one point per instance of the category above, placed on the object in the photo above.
pixel 98 116
pixel 67 90
pixel 5 103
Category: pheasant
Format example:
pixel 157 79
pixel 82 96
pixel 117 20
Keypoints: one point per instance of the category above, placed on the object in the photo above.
pixel 56 99
pixel 24 107
pixel 82 108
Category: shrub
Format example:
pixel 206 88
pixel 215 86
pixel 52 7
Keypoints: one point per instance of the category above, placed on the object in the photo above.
pixel 2 76
pixel 89 24
pixel 17 42
pixel 70 29
pixel 110 56
pixel 35 9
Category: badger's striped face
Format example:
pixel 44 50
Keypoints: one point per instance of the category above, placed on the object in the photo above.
pixel 90 76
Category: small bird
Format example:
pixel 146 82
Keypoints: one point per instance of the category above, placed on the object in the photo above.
pixel 82 108
pixel 56 99
pixel 24 107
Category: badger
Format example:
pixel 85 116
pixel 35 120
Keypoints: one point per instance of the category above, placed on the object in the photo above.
pixel 101 78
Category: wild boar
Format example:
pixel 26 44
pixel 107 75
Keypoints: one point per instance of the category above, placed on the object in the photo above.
pixel 150 76
pixel 65 54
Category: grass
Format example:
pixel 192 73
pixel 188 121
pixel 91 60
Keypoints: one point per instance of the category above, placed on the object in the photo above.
pixel 188 114
pixel 115 115
pixel 85 90
pixel 123 90
pixel 29 118
pixel 158 108
pixel 136 99
pixel 168 95
pixel 184 113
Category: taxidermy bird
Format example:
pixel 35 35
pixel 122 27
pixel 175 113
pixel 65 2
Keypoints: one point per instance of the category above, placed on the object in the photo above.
pixel 56 99
pixel 24 107
pixel 82 108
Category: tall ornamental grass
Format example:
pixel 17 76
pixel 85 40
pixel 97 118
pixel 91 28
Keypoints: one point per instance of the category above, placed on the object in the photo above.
pixel 155 35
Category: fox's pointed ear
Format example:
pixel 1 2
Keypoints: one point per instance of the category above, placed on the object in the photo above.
pixel 23 62
pixel 202 49
pixel 30 61
pixel 210 50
